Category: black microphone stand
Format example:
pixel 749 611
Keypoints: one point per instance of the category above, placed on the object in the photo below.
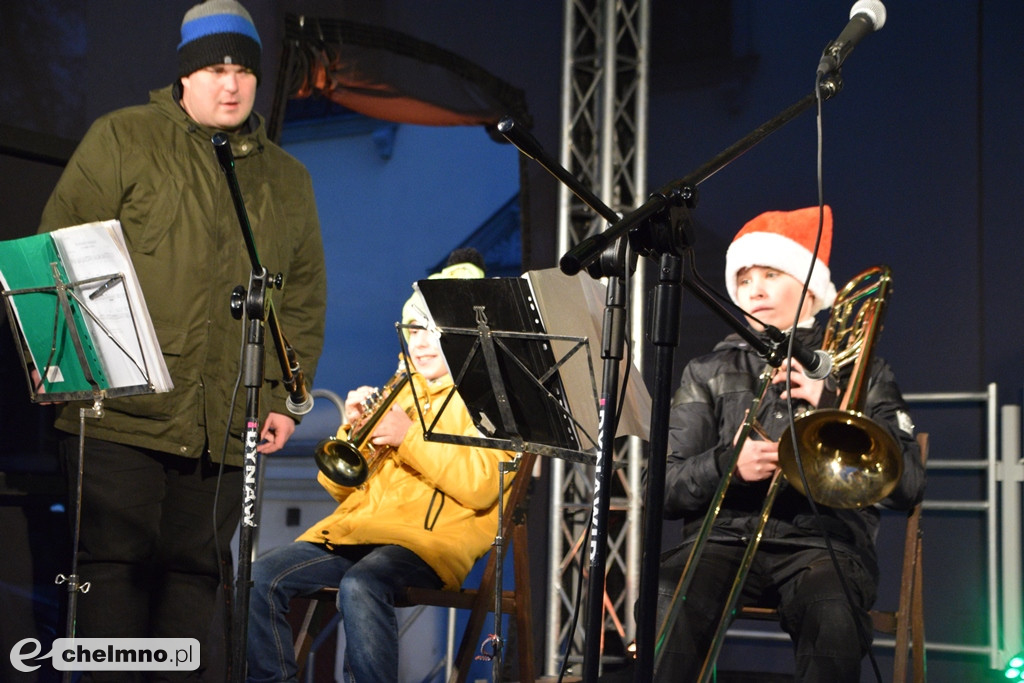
pixel 612 265
pixel 660 227
pixel 650 235
pixel 613 329
pixel 258 308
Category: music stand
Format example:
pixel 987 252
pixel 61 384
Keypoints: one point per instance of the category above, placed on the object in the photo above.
pixel 78 316
pixel 503 367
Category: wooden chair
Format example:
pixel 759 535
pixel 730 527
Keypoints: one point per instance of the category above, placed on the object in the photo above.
pixel 479 600
pixel 906 623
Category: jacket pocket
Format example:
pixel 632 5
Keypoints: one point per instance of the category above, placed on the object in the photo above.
pixel 159 406
pixel 172 342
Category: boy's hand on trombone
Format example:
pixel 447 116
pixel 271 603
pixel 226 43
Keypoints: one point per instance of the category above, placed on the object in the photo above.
pixel 803 388
pixel 759 456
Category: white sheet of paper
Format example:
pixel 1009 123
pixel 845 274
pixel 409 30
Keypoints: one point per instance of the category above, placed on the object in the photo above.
pixel 128 346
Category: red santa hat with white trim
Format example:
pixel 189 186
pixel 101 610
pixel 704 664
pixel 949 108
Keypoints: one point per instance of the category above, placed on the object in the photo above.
pixel 784 240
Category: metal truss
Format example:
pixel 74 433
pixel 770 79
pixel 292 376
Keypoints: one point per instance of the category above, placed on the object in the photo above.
pixel 604 136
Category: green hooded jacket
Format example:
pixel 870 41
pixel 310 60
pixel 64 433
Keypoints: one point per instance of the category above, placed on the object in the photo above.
pixel 155 169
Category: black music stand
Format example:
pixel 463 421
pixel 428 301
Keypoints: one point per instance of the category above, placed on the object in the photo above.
pixel 504 368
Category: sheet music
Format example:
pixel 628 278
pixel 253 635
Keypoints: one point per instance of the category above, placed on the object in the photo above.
pixel 574 305
pixel 533 405
pixel 128 346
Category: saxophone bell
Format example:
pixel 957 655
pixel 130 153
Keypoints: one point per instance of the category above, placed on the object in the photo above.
pixel 341 462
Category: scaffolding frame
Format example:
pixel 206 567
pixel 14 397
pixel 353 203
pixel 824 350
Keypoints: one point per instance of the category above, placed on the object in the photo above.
pixel 603 144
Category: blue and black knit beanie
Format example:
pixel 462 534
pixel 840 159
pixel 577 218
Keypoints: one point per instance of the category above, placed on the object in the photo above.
pixel 218 32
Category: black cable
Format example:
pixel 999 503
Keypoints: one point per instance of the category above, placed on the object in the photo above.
pixel 628 355
pixel 865 636
pixel 220 472
pixel 574 619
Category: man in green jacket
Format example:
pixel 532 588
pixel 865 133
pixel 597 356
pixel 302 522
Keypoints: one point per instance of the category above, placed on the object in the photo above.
pixel 162 482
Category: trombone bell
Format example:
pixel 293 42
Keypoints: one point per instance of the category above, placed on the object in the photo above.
pixel 849 461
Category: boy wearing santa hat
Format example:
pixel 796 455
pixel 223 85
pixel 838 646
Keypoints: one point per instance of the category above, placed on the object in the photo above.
pixel 793 570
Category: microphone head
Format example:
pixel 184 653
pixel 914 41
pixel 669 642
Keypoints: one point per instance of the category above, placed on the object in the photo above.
pixel 873 11
pixel 824 368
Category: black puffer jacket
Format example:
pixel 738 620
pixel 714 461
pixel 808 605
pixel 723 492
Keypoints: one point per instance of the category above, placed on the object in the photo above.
pixel 710 405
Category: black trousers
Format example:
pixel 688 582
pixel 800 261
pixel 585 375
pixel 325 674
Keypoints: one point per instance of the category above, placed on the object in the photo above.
pixel 801 582
pixel 147 547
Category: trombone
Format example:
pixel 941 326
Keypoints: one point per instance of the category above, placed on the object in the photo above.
pixel 844 459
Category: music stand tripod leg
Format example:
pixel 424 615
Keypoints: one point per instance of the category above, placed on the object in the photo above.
pixel 504 468
pixel 74 586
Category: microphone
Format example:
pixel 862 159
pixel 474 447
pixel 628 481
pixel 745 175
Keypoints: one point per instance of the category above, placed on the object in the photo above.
pixel 299 402
pixel 866 16
pixel 223 150
pixel 817 364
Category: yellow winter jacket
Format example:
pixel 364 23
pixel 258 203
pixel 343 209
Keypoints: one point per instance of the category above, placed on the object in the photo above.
pixel 437 499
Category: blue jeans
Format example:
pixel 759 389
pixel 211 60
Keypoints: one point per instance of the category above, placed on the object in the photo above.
pixel 368 579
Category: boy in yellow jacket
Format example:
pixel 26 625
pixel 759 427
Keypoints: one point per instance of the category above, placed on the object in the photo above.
pixel 423 518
